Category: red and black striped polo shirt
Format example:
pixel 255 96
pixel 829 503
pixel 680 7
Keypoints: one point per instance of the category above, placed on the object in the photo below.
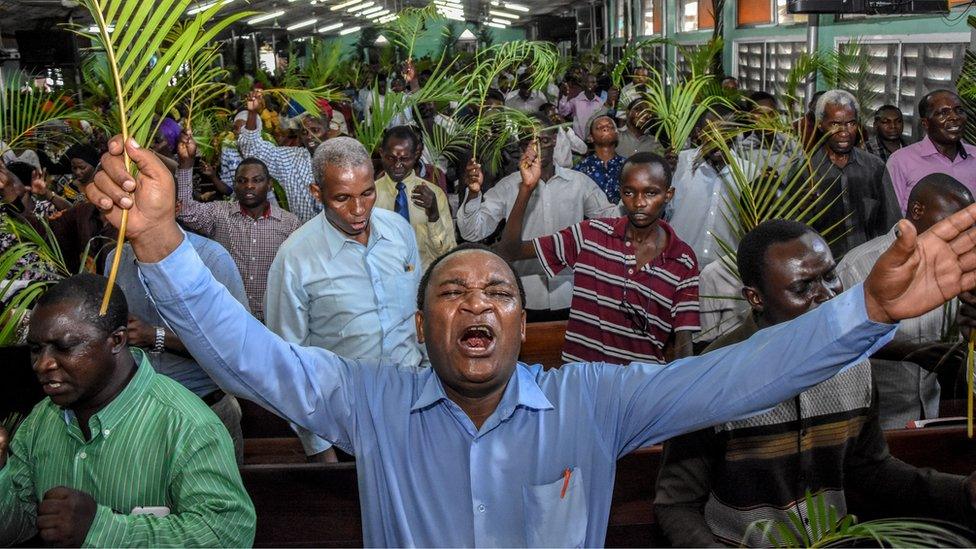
pixel 619 315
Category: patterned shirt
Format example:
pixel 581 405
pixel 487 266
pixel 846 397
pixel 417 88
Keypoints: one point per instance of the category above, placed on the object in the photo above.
pixel 154 445
pixel 605 174
pixel 252 243
pixel 619 316
pixel 291 167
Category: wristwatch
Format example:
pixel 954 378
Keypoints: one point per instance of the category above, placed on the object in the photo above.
pixel 160 343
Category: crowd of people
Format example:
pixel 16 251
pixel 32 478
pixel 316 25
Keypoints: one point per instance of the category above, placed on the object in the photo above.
pixel 378 301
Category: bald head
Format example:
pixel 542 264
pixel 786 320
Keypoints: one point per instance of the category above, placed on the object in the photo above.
pixel 935 197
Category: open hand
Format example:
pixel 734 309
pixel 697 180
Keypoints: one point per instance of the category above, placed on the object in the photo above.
pixel 39 185
pixel 151 202
pixel 920 272
pixel 64 516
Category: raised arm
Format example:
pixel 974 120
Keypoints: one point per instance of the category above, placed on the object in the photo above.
pixel 198 216
pixel 480 214
pixel 310 387
pixel 511 246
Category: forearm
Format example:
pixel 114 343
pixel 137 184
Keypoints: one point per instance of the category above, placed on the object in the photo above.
pixel 59 203
pixel 304 385
pixel 252 121
pixel 221 187
pixel 198 216
pixel 682 344
pixel 511 246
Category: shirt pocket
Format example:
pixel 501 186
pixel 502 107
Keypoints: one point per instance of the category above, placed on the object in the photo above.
pixel 554 518
pixel 401 292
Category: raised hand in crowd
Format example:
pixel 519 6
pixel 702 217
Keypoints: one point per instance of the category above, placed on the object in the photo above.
pixel 474 178
pixel 186 149
pixel 423 197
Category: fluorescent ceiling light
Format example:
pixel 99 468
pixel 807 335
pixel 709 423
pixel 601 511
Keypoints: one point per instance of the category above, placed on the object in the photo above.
pixel 386 19
pixel 331 27
pixel 302 24
pixel 501 21
pixel 371 11
pixel 380 15
pixel 496 25
pixel 350 30
pixel 359 6
pixel 517 7
pixel 206 6
pixel 94 29
pixel 345 4
pixel 265 17
pixel 442 7
pixel 505 14
pixel 454 16
pixel 449 3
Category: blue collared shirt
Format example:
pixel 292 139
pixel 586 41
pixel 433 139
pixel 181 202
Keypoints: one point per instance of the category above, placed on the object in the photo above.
pixel 428 477
pixel 606 175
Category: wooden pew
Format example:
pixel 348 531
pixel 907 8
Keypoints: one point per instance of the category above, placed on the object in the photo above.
pixel 317 505
pixel 544 343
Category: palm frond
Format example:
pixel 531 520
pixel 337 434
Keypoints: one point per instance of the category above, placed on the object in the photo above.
pixel 678 107
pixel 827 529
pixel 449 138
pixel 500 129
pixel 409 26
pixel 28 116
pixel 699 57
pixel 134 33
pixel 384 109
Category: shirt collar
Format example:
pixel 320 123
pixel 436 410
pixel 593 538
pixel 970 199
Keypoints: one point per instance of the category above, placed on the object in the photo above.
pixel 265 215
pixel 122 405
pixel 927 148
pixel 335 239
pixel 522 390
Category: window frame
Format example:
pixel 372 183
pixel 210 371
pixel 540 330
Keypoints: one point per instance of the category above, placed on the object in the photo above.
pixel 774 15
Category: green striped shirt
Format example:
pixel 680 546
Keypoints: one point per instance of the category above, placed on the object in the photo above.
pixel 154 445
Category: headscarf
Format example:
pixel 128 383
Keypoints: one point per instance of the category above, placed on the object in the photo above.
pixel 83 152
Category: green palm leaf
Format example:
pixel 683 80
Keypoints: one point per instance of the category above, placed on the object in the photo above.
pixel 145 51
pixel 27 114
pixel 409 26
pixel 632 54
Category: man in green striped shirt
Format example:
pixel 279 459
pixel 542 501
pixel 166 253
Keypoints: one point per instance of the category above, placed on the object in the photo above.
pixel 118 455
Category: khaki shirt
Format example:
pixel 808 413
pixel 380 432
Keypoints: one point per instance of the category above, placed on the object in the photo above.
pixel 433 239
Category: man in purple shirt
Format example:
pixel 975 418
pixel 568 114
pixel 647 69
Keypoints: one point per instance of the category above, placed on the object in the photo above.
pixel 940 151
pixel 582 107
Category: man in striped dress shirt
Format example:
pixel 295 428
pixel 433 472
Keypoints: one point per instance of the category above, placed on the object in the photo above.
pixel 117 455
pixel 634 281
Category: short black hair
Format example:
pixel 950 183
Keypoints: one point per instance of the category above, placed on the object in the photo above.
pixel 495 94
pixel 400 132
pixel 883 108
pixel 253 161
pixel 86 289
pixel 23 171
pixel 941 184
pixel 751 255
pixel 425 280
pixel 637 101
pixel 649 158
pixel 925 103
pixel 545 107
pixel 719 111
pixel 760 95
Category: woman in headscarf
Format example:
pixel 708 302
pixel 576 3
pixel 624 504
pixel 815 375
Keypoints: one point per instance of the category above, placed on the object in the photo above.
pixel 84 161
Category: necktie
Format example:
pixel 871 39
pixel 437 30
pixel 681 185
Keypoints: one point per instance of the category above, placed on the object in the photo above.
pixel 401 206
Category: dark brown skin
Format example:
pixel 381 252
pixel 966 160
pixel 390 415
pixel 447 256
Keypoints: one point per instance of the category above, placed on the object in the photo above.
pixel 348 196
pixel 82 171
pixel 603 133
pixel 917 274
pixel 945 123
pixel 840 124
pixel 399 158
pixel 251 183
pixel 798 276
pixel 889 125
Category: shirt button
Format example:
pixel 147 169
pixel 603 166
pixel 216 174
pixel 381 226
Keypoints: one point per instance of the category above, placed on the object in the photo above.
pixel 254 241
pixel 83 455
pixel 481 508
pixel 630 271
pixel 627 244
pixel 106 432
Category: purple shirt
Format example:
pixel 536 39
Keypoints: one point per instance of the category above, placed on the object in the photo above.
pixel 581 109
pixel 909 164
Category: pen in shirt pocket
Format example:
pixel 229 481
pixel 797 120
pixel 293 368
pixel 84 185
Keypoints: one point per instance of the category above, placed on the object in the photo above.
pixel 566 474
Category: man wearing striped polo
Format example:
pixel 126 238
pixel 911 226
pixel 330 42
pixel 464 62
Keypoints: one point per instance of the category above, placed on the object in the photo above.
pixel 635 283
pixel 117 455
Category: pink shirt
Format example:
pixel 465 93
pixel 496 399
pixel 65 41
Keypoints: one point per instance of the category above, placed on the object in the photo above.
pixel 581 109
pixel 909 164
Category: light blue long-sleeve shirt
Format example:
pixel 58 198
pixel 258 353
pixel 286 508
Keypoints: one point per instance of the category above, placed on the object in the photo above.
pixel 428 477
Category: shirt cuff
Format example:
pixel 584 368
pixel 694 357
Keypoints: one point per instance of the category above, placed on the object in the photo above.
pixel 107 529
pixel 175 276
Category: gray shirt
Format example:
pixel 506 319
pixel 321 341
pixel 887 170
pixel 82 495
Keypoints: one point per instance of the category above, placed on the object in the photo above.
pixel 630 143
pixel 182 369
pixel 906 391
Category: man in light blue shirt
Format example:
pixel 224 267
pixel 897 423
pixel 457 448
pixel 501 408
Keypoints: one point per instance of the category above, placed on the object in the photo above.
pixel 479 449
pixel 346 281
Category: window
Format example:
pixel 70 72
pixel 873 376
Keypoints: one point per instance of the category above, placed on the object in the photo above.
pixel 619 19
pixel 765 12
pixel 903 69
pixel 695 15
pixel 764 64
pixel 589 26
pixel 653 17
pixel 655 56
pixel 682 63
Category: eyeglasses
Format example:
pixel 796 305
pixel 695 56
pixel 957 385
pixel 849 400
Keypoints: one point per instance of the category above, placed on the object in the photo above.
pixel 635 314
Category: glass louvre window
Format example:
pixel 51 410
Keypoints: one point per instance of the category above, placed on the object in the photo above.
pixel 902 72
pixel 621 21
pixel 764 65
pixel 653 17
